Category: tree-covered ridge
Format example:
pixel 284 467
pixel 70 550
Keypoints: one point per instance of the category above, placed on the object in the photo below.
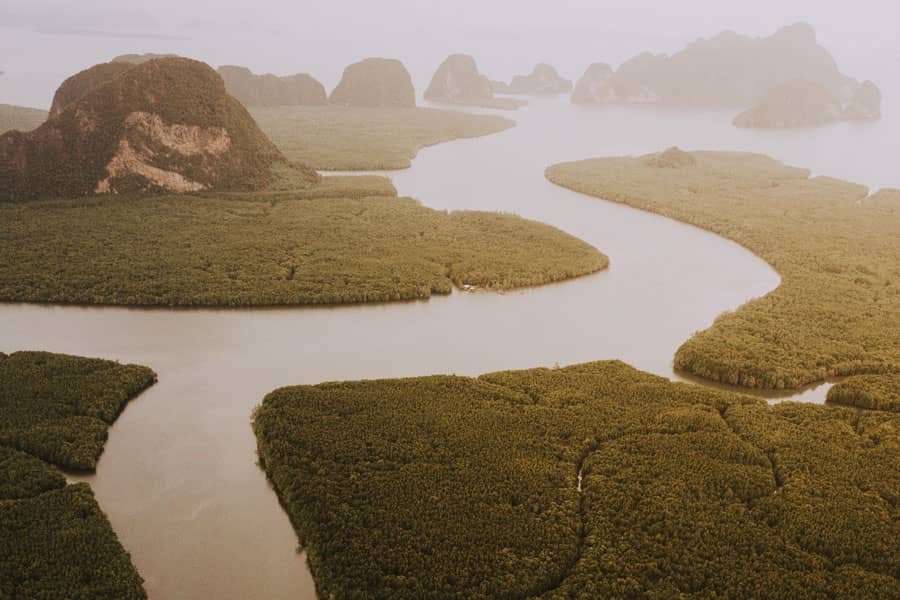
pixel 837 310
pixel 58 407
pixel 355 138
pixel 878 392
pixel 589 481
pixel 342 240
pixel 55 542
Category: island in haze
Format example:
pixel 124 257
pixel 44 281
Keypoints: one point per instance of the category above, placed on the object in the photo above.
pixel 734 70
pixel 543 80
pixel 458 81
pixel 271 90
pixel 375 82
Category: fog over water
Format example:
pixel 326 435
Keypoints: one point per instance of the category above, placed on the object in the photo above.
pixel 44 41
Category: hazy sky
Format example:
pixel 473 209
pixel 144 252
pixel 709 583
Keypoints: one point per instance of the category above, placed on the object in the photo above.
pixel 38 47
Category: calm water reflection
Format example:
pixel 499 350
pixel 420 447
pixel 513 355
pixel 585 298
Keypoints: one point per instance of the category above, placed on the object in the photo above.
pixel 178 477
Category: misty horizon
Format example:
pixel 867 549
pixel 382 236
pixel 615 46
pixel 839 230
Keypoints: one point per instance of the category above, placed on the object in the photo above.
pixel 284 39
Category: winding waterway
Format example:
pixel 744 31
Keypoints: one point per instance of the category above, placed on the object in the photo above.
pixel 178 478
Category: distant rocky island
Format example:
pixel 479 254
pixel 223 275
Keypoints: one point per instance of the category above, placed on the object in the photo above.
pixel 543 80
pixel 595 86
pixel 458 81
pixel 802 103
pixel 162 125
pixel 797 103
pixel 734 70
pixel 375 82
pixel 270 90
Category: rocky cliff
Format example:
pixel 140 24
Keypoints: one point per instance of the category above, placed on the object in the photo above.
pixel 165 124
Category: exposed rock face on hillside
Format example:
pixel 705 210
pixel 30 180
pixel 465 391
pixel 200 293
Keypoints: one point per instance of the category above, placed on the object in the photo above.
pixel 543 80
pixel 865 104
pixel 727 70
pixel 270 90
pixel 595 86
pixel 797 103
pixel 81 84
pixel 136 59
pixel 166 124
pixel 375 82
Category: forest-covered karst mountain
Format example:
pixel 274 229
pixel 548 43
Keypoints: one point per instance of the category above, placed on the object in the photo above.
pixel 165 124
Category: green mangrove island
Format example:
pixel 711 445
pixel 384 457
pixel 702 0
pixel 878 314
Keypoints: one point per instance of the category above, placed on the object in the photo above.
pixel 590 481
pixel 837 310
pixel 342 240
pixel 55 541
pixel 348 138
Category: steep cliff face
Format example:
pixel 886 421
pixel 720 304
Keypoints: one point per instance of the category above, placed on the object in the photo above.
pixel 165 124
pixel 269 90
pixel 458 80
pixel 726 70
pixel 375 82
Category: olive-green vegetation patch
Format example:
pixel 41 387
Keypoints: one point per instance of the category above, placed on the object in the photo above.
pixel 272 248
pixel 58 407
pixel 878 392
pixel 59 544
pixel 55 542
pixel 20 118
pixel 345 138
pixel 24 476
pixel 837 310
pixel 590 481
